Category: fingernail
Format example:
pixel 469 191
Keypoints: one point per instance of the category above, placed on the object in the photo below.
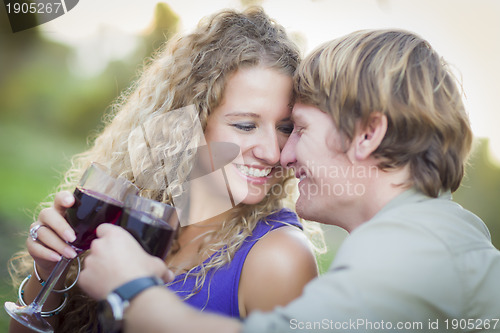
pixel 69 235
pixel 69 252
pixel 68 201
pixel 55 257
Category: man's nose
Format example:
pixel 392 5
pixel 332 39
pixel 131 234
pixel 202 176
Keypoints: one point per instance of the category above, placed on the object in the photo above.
pixel 288 157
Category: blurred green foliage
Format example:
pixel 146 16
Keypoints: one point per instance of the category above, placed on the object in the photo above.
pixel 47 113
pixel 480 189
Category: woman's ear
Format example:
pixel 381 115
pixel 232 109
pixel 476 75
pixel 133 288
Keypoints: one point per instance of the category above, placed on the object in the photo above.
pixel 368 139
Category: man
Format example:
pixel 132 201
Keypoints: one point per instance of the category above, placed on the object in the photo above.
pixel 379 143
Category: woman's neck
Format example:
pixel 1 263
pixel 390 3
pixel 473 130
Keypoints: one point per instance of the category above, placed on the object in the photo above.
pixel 192 239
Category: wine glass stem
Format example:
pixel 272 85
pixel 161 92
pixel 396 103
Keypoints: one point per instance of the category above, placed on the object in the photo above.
pixel 42 296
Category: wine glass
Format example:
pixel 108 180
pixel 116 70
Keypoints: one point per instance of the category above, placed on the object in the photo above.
pixel 152 223
pixel 99 198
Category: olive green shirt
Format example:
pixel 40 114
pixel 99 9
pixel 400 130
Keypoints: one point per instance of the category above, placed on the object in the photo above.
pixel 420 264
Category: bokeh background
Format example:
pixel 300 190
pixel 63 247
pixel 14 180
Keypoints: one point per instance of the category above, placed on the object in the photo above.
pixel 58 80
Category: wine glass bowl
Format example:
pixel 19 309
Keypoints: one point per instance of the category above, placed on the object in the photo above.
pixel 89 211
pixel 152 224
pixel 99 198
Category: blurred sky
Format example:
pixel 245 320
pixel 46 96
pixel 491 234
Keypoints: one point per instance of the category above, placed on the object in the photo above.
pixel 465 32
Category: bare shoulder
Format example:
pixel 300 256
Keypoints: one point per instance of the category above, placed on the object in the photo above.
pixel 276 269
pixel 288 245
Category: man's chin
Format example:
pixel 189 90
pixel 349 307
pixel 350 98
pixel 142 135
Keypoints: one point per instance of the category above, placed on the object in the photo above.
pixel 303 208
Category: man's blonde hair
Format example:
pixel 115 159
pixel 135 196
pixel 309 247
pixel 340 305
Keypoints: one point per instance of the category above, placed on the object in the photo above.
pixel 399 74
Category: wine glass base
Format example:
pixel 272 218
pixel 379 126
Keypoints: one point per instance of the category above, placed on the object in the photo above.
pixel 25 316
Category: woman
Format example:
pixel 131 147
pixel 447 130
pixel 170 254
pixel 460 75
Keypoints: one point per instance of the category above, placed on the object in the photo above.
pixel 236 69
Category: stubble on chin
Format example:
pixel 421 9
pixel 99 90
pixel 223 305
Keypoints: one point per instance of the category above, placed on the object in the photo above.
pixel 301 208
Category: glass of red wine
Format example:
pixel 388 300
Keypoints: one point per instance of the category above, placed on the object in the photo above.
pixel 99 198
pixel 152 224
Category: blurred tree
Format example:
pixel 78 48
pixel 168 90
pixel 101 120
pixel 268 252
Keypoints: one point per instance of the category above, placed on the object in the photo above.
pixel 42 92
pixel 46 114
pixel 16 47
pixel 480 189
pixel 249 3
pixel 164 25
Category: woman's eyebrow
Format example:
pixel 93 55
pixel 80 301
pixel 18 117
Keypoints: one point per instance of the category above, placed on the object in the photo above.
pixel 243 114
pixel 253 115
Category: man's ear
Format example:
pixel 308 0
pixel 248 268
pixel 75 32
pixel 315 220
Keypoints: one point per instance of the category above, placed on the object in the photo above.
pixel 368 139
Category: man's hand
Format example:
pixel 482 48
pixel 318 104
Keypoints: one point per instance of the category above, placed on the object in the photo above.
pixel 116 258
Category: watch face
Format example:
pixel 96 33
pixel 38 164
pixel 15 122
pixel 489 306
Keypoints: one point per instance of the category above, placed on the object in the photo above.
pixel 110 311
pixel 109 320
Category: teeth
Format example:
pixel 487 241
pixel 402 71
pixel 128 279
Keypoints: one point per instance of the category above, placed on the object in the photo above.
pixel 302 177
pixel 248 171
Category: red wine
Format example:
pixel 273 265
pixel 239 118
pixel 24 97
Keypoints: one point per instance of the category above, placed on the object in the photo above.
pixel 153 234
pixel 89 211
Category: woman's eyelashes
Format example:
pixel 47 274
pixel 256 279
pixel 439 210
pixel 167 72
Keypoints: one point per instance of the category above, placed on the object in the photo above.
pixel 286 129
pixel 246 127
pixel 298 130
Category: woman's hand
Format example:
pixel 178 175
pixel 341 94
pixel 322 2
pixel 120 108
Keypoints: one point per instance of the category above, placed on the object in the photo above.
pixel 52 236
pixel 116 258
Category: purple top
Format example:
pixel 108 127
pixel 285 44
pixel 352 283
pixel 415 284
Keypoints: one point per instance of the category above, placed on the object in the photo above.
pixel 222 284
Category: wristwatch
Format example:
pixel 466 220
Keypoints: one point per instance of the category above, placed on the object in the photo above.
pixel 111 310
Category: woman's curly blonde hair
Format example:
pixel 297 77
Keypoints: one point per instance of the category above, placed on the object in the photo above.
pixel 189 70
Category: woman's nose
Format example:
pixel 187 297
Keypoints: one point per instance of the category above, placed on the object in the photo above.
pixel 267 148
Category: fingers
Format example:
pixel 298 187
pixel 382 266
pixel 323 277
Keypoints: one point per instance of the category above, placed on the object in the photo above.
pixel 63 200
pixel 53 235
pixel 48 245
pixel 113 240
pixel 54 219
pixel 39 252
pixel 93 278
pixel 57 233
pixel 168 276
pixel 107 263
pixel 106 229
pixel 115 258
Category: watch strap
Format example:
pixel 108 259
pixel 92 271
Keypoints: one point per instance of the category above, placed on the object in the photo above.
pixel 131 289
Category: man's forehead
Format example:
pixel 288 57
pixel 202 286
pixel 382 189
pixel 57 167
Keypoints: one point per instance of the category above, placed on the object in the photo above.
pixel 302 113
pixel 299 113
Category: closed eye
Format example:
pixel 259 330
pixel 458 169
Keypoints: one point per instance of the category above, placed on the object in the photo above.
pixel 298 130
pixel 286 129
pixel 247 127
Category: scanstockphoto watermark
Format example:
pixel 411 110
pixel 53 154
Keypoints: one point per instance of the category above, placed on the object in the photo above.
pixel 437 325
pixel 355 325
